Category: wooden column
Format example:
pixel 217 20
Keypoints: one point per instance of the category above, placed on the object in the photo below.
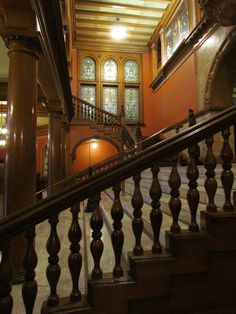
pixel 20 164
pixel 64 149
pixel 54 145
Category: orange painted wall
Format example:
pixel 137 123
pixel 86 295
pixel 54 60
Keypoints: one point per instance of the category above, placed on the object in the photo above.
pixel 87 156
pixel 172 100
pixel 74 67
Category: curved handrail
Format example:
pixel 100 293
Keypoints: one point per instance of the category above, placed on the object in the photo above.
pixel 81 189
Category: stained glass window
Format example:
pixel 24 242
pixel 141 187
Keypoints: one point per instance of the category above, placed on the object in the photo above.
pixel 110 70
pixel 88 69
pixel 110 99
pixel 88 93
pixel 131 103
pixel 131 71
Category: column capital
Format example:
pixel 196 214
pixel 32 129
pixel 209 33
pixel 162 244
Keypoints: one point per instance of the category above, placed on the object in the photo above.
pixel 54 107
pixel 26 42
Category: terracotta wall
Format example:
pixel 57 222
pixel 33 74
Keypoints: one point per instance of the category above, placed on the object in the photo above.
pixel 87 155
pixel 172 100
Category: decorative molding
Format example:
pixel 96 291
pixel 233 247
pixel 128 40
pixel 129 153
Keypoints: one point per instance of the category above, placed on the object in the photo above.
pixel 184 49
pixel 220 11
pixel 27 42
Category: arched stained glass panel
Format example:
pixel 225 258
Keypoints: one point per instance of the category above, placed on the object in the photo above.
pixel 131 103
pixel 110 70
pixel 131 71
pixel 88 69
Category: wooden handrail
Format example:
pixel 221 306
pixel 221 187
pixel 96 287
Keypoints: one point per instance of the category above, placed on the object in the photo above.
pixel 85 110
pixel 80 190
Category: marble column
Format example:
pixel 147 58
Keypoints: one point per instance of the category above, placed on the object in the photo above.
pixel 20 163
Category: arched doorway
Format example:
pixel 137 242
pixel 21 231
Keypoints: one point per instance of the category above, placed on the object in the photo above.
pixel 91 151
pixel 222 76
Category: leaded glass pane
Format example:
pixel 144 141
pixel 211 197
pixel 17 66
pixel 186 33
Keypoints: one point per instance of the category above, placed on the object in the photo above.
pixel 131 103
pixel 88 93
pixel 131 71
pixel 88 69
pixel 110 97
pixel 110 70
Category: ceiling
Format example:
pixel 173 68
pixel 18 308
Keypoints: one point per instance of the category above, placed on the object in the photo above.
pixel 93 20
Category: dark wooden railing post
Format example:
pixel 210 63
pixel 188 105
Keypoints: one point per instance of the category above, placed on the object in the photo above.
pixel 30 287
pixel 137 223
pixel 227 175
pixel 193 194
pixel 53 269
pixel 210 182
pixel 175 202
pixel 75 257
pixel 156 214
pixel 96 245
pixel 117 235
pixel 6 276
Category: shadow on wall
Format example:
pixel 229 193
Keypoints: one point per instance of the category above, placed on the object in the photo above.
pixel 91 152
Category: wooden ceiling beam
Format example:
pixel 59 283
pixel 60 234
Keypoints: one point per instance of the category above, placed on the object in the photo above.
pixel 115 15
pixel 108 36
pixel 115 5
pixel 90 21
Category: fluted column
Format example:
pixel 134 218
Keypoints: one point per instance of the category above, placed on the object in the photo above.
pixel 20 164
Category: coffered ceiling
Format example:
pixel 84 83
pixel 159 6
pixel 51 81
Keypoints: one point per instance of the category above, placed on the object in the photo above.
pixel 93 21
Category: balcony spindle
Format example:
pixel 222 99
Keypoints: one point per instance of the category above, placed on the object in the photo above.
pixel 96 245
pixel 75 257
pixel 193 194
pixel 6 276
pixel 137 223
pixel 175 202
pixel 227 176
pixel 30 287
pixel 156 214
pixel 210 182
pixel 53 270
pixel 117 235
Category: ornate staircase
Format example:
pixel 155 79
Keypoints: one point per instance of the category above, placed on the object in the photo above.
pixel 193 271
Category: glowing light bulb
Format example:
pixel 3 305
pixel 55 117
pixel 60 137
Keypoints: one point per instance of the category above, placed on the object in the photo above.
pixel 118 32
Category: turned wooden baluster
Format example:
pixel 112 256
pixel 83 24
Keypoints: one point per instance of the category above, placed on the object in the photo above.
pixel 96 245
pixel 175 202
pixel 117 235
pixel 53 270
pixel 30 287
pixel 6 276
pixel 193 194
pixel 75 258
pixel 210 182
pixel 137 223
pixel 155 193
pixel 227 176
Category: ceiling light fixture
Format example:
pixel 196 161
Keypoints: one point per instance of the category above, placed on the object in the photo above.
pixel 118 32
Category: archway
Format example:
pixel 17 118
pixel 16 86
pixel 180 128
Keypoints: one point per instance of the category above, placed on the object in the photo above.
pixel 91 151
pixel 222 76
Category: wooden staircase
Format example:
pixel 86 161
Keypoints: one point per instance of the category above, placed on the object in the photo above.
pixel 103 122
pixel 187 270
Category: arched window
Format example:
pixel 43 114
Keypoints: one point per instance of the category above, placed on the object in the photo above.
pixel 132 104
pixel 88 69
pixel 131 71
pixel 110 70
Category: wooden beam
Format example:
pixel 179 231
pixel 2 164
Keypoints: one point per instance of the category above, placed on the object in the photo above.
pixel 127 24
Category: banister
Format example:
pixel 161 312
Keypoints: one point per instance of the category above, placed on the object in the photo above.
pixel 77 100
pixel 80 190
